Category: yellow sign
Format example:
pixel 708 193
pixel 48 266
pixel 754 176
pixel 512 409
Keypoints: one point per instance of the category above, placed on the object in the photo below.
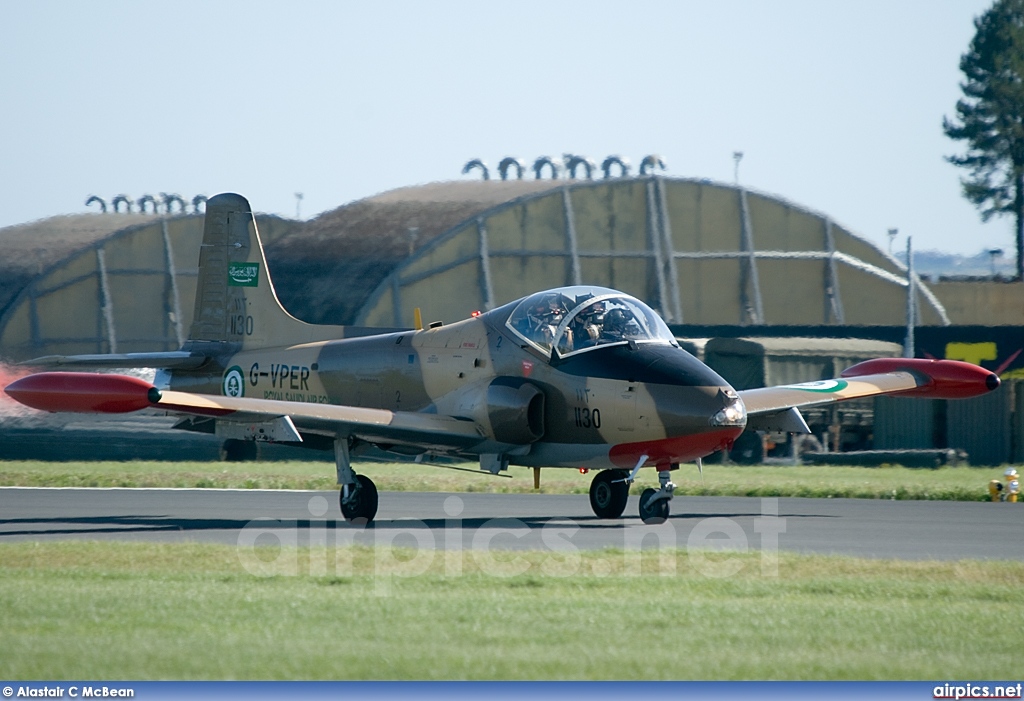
pixel 971 352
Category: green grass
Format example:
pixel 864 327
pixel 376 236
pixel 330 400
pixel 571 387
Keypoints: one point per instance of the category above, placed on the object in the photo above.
pixel 189 611
pixel 947 483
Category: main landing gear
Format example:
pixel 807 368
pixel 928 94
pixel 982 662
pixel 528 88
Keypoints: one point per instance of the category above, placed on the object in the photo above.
pixel 609 491
pixel 361 502
pixel 358 492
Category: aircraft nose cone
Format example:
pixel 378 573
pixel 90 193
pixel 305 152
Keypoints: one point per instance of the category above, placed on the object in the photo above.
pixel 992 381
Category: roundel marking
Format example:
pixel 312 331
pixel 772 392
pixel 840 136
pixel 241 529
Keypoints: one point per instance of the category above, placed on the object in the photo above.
pixel 234 382
pixel 825 386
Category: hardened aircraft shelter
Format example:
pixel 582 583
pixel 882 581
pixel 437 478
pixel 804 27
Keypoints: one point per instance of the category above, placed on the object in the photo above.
pixel 101 283
pixel 701 253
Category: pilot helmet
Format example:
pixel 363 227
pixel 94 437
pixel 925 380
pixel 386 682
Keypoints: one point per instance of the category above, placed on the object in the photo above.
pixel 594 311
pixel 616 320
pixel 544 305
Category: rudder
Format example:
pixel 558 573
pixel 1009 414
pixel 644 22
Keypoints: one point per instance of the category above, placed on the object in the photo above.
pixel 235 299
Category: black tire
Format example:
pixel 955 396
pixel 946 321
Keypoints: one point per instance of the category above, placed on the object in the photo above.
pixel 608 496
pixel 656 513
pixel 362 507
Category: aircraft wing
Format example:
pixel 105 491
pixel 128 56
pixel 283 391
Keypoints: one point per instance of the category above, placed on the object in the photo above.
pixel 373 425
pixel 768 400
pixel 937 379
pixel 91 392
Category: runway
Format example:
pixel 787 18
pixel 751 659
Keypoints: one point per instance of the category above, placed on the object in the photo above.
pixel 911 530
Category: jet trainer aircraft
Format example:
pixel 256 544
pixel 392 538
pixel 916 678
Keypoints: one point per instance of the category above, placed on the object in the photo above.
pixel 578 377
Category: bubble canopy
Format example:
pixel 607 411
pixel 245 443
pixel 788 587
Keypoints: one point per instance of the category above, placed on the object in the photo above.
pixel 581 318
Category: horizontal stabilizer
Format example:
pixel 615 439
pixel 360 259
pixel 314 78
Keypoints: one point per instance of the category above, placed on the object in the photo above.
pixel 169 359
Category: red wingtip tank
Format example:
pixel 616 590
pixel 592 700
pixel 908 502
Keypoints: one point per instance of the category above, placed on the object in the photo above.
pixel 938 379
pixel 83 392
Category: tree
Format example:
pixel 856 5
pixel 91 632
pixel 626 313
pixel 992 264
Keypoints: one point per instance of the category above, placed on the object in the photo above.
pixel 991 117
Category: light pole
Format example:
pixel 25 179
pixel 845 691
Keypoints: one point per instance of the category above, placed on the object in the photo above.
pixel 892 237
pixel 908 343
pixel 298 205
pixel 994 253
pixel 737 156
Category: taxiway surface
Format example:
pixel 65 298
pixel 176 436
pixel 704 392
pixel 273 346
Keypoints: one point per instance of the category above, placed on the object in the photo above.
pixel 866 528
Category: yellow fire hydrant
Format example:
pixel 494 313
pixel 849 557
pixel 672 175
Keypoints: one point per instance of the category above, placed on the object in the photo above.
pixel 1005 492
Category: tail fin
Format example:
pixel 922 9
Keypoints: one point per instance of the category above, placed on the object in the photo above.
pixel 235 299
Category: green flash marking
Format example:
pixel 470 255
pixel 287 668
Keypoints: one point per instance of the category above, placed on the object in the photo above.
pixel 823 386
pixel 244 274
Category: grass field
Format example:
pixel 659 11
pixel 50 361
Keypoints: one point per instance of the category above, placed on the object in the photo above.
pixel 188 611
pixel 948 483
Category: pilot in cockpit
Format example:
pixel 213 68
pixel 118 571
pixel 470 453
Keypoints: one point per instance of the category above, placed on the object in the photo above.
pixel 574 319
pixel 619 325
pixel 543 318
pixel 586 326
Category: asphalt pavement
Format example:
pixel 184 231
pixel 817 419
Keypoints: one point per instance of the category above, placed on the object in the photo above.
pixel 910 530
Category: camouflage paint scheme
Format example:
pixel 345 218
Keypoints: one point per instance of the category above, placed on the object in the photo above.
pixel 446 371
pixel 478 389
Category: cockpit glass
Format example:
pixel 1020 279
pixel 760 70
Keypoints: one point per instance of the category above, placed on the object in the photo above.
pixel 575 319
pixel 538 317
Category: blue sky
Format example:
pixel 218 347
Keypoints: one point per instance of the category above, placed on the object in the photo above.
pixel 837 106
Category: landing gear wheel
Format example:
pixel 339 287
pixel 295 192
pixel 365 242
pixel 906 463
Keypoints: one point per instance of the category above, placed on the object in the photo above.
pixel 363 504
pixel 657 512
pixel 608 495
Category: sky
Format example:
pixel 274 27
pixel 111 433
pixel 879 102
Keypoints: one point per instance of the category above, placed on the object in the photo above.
pixel 836 106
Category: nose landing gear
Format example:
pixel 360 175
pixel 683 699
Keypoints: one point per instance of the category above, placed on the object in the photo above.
pixel 654 502
pixel 609 492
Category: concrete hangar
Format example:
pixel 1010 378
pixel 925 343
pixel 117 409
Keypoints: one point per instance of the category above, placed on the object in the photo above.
pixel 717 260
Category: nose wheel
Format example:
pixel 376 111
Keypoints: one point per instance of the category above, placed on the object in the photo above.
pixel 609 491
pixel 654 502
pixel 653 511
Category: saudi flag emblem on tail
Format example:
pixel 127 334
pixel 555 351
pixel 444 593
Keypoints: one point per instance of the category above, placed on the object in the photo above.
pixel 244 274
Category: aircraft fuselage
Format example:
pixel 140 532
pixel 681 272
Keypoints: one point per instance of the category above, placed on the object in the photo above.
pixel 601 409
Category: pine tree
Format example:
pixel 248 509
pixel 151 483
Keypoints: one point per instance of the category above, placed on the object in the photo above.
pixel 991 117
